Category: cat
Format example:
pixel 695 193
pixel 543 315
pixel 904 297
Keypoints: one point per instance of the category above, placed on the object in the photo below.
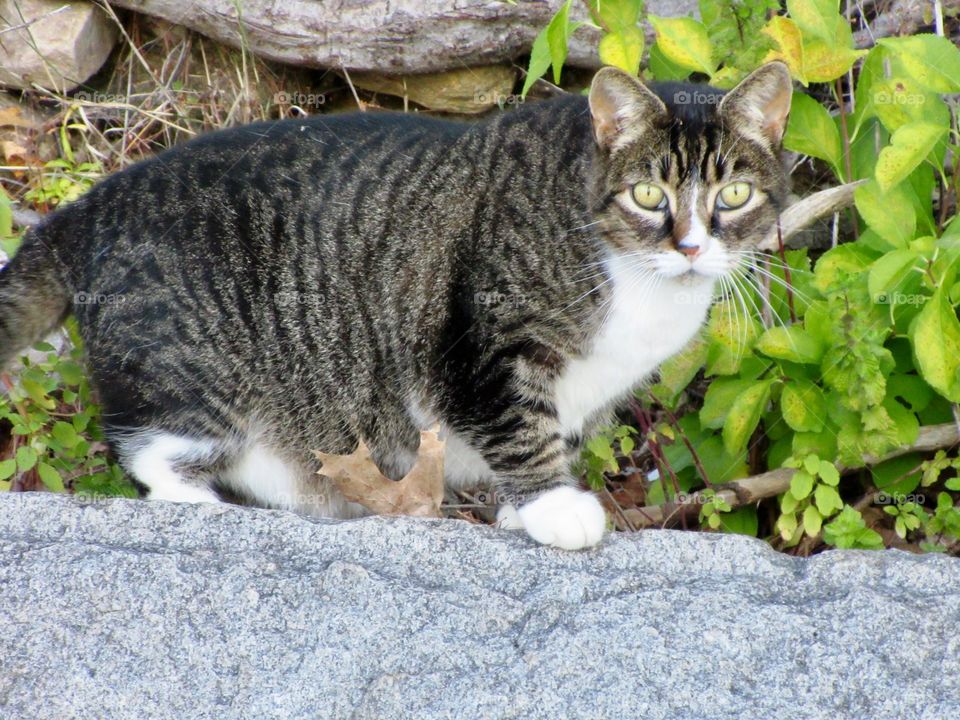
pixel 268 290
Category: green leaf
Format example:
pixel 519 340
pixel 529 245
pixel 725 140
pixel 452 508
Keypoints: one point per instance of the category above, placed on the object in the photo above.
pixel 677 371
pixel 719 399
pixel 36 393
pixel 828 473
pixel 801 484
pixel 70 372
pixel 889 272
pixel 811 131
pixel 744 416
pixel 836 266
pixel 890 214
pixel 623 49
pixel 791 343
pixel 935 335
pixel 7 468
pixel 731 335
pixel 618 14
pixel 685 42
pixel 26 458
pixel 815 17
pixel 557 33
pixel 662 68
pixel 742 521
pixel 909 146
pixel 827 499
pixel 803 406
pixel 848 530
pixel 50 477
pixel 65 434
pixel 901 100
pixel 540 58
pixel 933 61
pixel 812 520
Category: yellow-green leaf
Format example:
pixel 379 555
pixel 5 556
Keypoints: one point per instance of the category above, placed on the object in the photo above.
pixel 909 146
pixel 744 416
pixel 623 49
pixel 685 41
pixel 812 520
pixel 50 477
pixel 786 35
pixel 898 101
pixel 26 458
pixel 931 60
pixel 824 63
pixel 803 406
pixel 890 215
pixel 791 343
pixel 935 335
pixel 815 17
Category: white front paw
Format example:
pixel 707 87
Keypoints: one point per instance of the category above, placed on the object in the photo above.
pixel 564 517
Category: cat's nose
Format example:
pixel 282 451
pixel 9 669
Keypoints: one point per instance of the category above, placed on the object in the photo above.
pixel 689 247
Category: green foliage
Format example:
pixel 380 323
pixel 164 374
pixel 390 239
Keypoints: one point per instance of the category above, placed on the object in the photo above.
pixel 54 424
pixel 600 453
pixel 859 350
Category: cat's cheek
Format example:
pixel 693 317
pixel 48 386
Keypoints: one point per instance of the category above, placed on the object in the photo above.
pixel 564 517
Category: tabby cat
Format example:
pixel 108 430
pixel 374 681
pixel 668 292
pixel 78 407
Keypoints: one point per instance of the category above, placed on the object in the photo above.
pixel 268 290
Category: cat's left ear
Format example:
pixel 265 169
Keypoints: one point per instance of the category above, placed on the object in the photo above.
pixel 622 107
pixel 760 104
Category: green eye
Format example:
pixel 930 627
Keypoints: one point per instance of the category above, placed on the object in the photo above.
pixel 649 197
pixel 735 195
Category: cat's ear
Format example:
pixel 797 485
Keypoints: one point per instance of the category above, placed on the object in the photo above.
pixel 622 107
pixel 760 104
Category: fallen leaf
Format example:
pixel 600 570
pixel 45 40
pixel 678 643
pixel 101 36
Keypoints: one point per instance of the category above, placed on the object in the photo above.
pixel 13 152
pixel 419 493
pixel 13 117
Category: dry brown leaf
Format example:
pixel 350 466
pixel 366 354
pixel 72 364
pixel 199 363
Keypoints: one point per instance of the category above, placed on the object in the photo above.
pixel 13 117
pixel 419 493
pixel 12 152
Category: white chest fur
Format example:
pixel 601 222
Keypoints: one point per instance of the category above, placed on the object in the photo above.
pixel 647 320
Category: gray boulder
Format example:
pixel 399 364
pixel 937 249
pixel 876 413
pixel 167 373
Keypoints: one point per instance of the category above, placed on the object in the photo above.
pixel 130 609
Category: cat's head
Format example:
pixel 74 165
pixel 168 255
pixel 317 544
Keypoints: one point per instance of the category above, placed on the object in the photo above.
pixel 688 178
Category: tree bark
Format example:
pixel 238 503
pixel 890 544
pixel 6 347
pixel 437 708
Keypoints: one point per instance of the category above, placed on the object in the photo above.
pixel 395 37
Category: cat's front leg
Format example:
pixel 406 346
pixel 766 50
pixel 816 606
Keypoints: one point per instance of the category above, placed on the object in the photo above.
pixel 393 441
pixel 532 475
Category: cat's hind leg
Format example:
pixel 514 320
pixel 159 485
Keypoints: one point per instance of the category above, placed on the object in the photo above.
pixel 162 463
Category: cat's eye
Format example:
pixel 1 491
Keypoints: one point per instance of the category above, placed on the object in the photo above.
pixel 734 195
pixel 649 197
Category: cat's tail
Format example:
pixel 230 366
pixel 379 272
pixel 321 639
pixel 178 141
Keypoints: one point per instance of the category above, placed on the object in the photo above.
pixel 34 299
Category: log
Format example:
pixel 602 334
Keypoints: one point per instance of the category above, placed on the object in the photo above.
pixel 405 36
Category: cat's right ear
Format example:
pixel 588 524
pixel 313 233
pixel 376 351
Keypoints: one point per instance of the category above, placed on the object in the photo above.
pixel 622 108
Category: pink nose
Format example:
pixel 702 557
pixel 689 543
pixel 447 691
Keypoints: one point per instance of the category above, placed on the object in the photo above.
pixel 689 249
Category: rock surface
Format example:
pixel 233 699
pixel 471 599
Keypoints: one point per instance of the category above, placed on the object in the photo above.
pixel 129 609
pixel 53 43
pixel 401 36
